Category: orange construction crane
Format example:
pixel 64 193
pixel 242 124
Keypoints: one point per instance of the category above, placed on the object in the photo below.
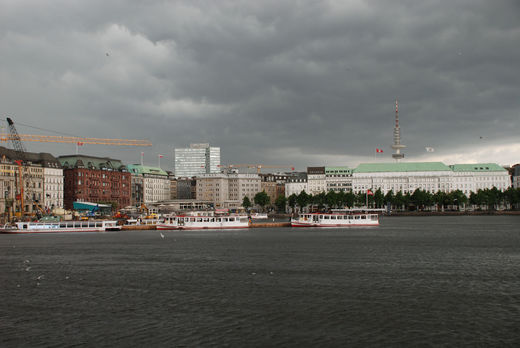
pixel 257 166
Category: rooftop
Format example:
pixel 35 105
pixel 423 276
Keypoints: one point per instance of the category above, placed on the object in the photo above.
pixel 401 167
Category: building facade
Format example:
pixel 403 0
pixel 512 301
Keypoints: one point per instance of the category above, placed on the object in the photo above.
pixel 515 178
pixel 316 180
pixel 40 177
pixel 196 160
pixel 338 179
pixel 227 190
pixel 151 184
pixel 53 187
pixel 429 176
pixel 296 184
pixel 96 180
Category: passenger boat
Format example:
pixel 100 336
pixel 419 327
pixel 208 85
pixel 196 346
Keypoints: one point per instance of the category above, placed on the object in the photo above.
pixel 62 226
pixel 339 218
pixel 259 216
pixel 203 220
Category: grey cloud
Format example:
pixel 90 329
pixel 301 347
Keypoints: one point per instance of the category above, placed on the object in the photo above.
pixel 258 78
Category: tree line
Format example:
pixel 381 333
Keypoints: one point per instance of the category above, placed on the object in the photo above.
pixel 421 200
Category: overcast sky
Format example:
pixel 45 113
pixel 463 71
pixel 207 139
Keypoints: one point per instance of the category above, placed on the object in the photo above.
pixel 296 83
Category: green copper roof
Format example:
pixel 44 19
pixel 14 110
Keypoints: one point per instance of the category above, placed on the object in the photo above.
pixel 91 162
pixel 401 167
pixel 477 167
pixel 139 169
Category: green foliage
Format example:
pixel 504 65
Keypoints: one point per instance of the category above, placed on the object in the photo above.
pixel 280 203
pixel 292 201
pixel 246 203
pixel 303 199
pixel 262 199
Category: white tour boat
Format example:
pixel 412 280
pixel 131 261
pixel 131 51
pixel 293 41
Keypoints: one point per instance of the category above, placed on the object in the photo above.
pixel 203 220
pixel 62 226
pixel 259 216
pixel 339 218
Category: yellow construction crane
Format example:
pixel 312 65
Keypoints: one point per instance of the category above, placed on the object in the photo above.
pixel 17 140
pixel 74 140
pixel 257 166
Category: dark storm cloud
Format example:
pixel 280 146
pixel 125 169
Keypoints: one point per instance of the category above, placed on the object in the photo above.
pixel 301 82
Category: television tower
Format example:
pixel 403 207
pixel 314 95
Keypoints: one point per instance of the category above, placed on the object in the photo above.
pixel 397 146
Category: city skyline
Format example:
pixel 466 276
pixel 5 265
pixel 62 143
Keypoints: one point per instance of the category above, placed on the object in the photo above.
pixel 296 83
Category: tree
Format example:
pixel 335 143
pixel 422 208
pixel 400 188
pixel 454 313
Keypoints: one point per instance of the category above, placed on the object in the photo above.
pixel 262 199
pixel 389 198
pixel 302 199
pixel 292 201
pixel 280 203
pixel 332 199
pixel 350 197
pixel 246 203
pixel 458 197
pixel 379 198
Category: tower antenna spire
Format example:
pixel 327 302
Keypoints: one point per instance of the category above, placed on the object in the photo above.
pixel 397 146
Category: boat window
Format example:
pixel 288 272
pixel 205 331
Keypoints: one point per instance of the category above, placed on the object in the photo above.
pixel 321 216
pixel 232 219
pixel 356 217
pixel 333 217
pixel 212 220
pixel 192 219
pixel 373 217
pixel 345 217
pixel 363 217
pixel 225 219
pixel 350 217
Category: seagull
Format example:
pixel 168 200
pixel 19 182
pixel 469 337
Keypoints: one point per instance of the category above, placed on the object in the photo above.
pixel 40 277
pixel 27 269
pixel 107 54
pixel 162 235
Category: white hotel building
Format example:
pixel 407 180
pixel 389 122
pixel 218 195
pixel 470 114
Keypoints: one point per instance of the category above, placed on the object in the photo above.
pixel 429 176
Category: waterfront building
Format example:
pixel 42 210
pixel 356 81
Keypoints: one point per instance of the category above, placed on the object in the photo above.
pixel 338 179
pixel 273 184
pixel 227 190
pixel 53 186
pixel 95 179
pixel 186 188
pixel 479 176
pixel 428 176
pixel 316 180
pixel 196 160
pixel 515 178
pixel 151 184
pixel 296 184
pixel 40 192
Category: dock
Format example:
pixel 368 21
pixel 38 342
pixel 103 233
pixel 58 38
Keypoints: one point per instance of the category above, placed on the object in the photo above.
pixel 270 224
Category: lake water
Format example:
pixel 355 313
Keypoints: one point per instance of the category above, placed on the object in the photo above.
pixel 413 281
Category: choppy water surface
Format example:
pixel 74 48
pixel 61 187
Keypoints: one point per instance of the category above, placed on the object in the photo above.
pixel 413 281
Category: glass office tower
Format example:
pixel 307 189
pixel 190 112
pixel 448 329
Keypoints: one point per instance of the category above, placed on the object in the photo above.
pixel 196 160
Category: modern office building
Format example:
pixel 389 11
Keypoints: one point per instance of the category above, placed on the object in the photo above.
pixel 196 160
